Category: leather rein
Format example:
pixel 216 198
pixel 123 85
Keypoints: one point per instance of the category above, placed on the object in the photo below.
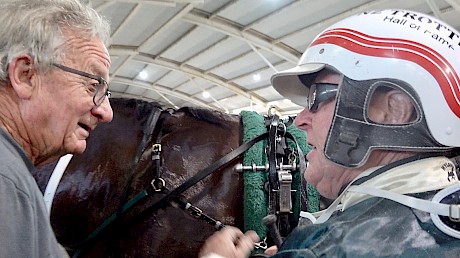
pixel 158 185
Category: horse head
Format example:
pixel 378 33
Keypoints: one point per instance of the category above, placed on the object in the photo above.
pixel 117 166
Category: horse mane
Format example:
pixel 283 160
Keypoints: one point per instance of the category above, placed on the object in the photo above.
pixel 144 108
pixel 211 116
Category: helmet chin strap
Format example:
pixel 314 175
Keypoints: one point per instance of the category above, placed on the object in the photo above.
pixel 352 136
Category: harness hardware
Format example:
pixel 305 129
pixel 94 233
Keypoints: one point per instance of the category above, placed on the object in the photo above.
pixel 158 184
pixel 454 213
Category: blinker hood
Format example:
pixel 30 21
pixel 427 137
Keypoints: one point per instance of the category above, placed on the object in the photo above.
pixel 352 135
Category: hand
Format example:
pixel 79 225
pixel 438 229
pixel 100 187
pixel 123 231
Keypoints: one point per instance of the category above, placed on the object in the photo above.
pixel 230 242
pixel 272 250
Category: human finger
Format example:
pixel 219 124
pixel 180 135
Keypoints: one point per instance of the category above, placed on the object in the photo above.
pixel 232 233
pixel 272 250
pixel 246 243
pixel 253 235
pixel 223 243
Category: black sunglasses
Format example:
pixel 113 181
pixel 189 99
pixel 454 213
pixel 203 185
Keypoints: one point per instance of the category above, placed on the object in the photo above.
pixel 100 90
pixel 320 92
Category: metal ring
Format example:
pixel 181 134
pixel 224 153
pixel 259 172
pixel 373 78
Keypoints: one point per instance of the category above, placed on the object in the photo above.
pixel 162 182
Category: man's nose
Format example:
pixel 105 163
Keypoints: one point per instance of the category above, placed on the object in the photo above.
pixel 103 112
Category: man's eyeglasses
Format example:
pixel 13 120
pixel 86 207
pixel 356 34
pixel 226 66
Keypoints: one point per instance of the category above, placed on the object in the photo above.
pixel 100 90
pixel 320 92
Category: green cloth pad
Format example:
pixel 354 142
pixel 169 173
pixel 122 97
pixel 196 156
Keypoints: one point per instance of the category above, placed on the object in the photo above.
pixel 255 197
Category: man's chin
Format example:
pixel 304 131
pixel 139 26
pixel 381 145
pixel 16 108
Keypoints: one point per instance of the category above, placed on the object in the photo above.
pixel 78 148
pixel 311 176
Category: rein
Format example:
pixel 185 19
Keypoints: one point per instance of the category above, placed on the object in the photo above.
pixel 278 186
pixel 204 173
pixel 148 131
pixel 273 180
pixel 280 176
pixel 170 196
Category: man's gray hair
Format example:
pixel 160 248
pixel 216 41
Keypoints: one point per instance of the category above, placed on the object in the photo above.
pixel 36 28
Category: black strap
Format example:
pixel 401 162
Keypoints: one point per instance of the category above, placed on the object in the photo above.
pixel 170 195
pixel 198 213
pixel 125 205
pixel 148 131
pixel 272 134
pixel 204 173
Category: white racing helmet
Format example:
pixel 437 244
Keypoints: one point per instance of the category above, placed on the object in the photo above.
pixel 402 49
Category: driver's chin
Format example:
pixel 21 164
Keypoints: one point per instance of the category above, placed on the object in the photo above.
pixel 311 175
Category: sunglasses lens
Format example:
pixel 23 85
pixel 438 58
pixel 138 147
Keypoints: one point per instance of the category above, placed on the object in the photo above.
pixel 311 98
pixel 320 92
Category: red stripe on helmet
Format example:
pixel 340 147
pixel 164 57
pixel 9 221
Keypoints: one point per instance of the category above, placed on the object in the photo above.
pixel 422 55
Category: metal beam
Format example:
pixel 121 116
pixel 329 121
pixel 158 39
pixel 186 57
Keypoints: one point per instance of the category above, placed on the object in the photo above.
pixel 161 2
pixel 130 16
pixel 159 88
pixel 210 95
pixel 263 58
pixel 232 30
pixel 325 23
pixel 269 16
pixel 166 26
pixel 455 4
pixel 170 65
pixel 435 8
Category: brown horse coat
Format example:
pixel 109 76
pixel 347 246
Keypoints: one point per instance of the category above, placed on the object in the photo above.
pixel 106 175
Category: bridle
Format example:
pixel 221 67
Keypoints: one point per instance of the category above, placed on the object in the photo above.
pixel 281 167
pixel 279 189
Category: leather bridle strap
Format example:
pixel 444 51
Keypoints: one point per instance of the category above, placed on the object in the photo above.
pixel 204 173
pixel 170 195
pixel 148 131
pixel 272 151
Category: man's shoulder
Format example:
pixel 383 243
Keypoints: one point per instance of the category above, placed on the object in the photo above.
pixel 371 228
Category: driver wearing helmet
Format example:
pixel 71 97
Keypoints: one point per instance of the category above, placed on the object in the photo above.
pixel 381 92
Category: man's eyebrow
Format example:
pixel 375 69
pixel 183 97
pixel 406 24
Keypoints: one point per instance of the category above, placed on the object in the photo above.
pixel 96 70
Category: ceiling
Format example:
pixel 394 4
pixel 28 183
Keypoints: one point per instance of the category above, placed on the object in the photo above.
pixel 173 51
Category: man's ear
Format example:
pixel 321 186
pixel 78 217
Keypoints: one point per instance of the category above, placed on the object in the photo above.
pixel 391 107
pixel 400 107
pixel 21 73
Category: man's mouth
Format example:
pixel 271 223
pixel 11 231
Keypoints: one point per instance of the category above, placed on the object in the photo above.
pixel 87 128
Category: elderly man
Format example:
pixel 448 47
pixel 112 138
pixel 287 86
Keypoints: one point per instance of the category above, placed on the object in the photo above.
pixel 53 93
pixel 381 91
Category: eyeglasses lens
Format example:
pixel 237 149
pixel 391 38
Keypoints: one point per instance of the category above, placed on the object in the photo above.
pixel 320 92
pixel 100 93
pixel 101 89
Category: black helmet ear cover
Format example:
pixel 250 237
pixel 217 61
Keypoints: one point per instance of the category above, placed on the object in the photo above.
pixel 352 135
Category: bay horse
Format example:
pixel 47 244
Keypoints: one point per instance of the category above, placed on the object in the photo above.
pixel 117 165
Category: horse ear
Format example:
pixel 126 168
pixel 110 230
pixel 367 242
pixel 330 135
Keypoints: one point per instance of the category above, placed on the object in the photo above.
pixel 21 72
